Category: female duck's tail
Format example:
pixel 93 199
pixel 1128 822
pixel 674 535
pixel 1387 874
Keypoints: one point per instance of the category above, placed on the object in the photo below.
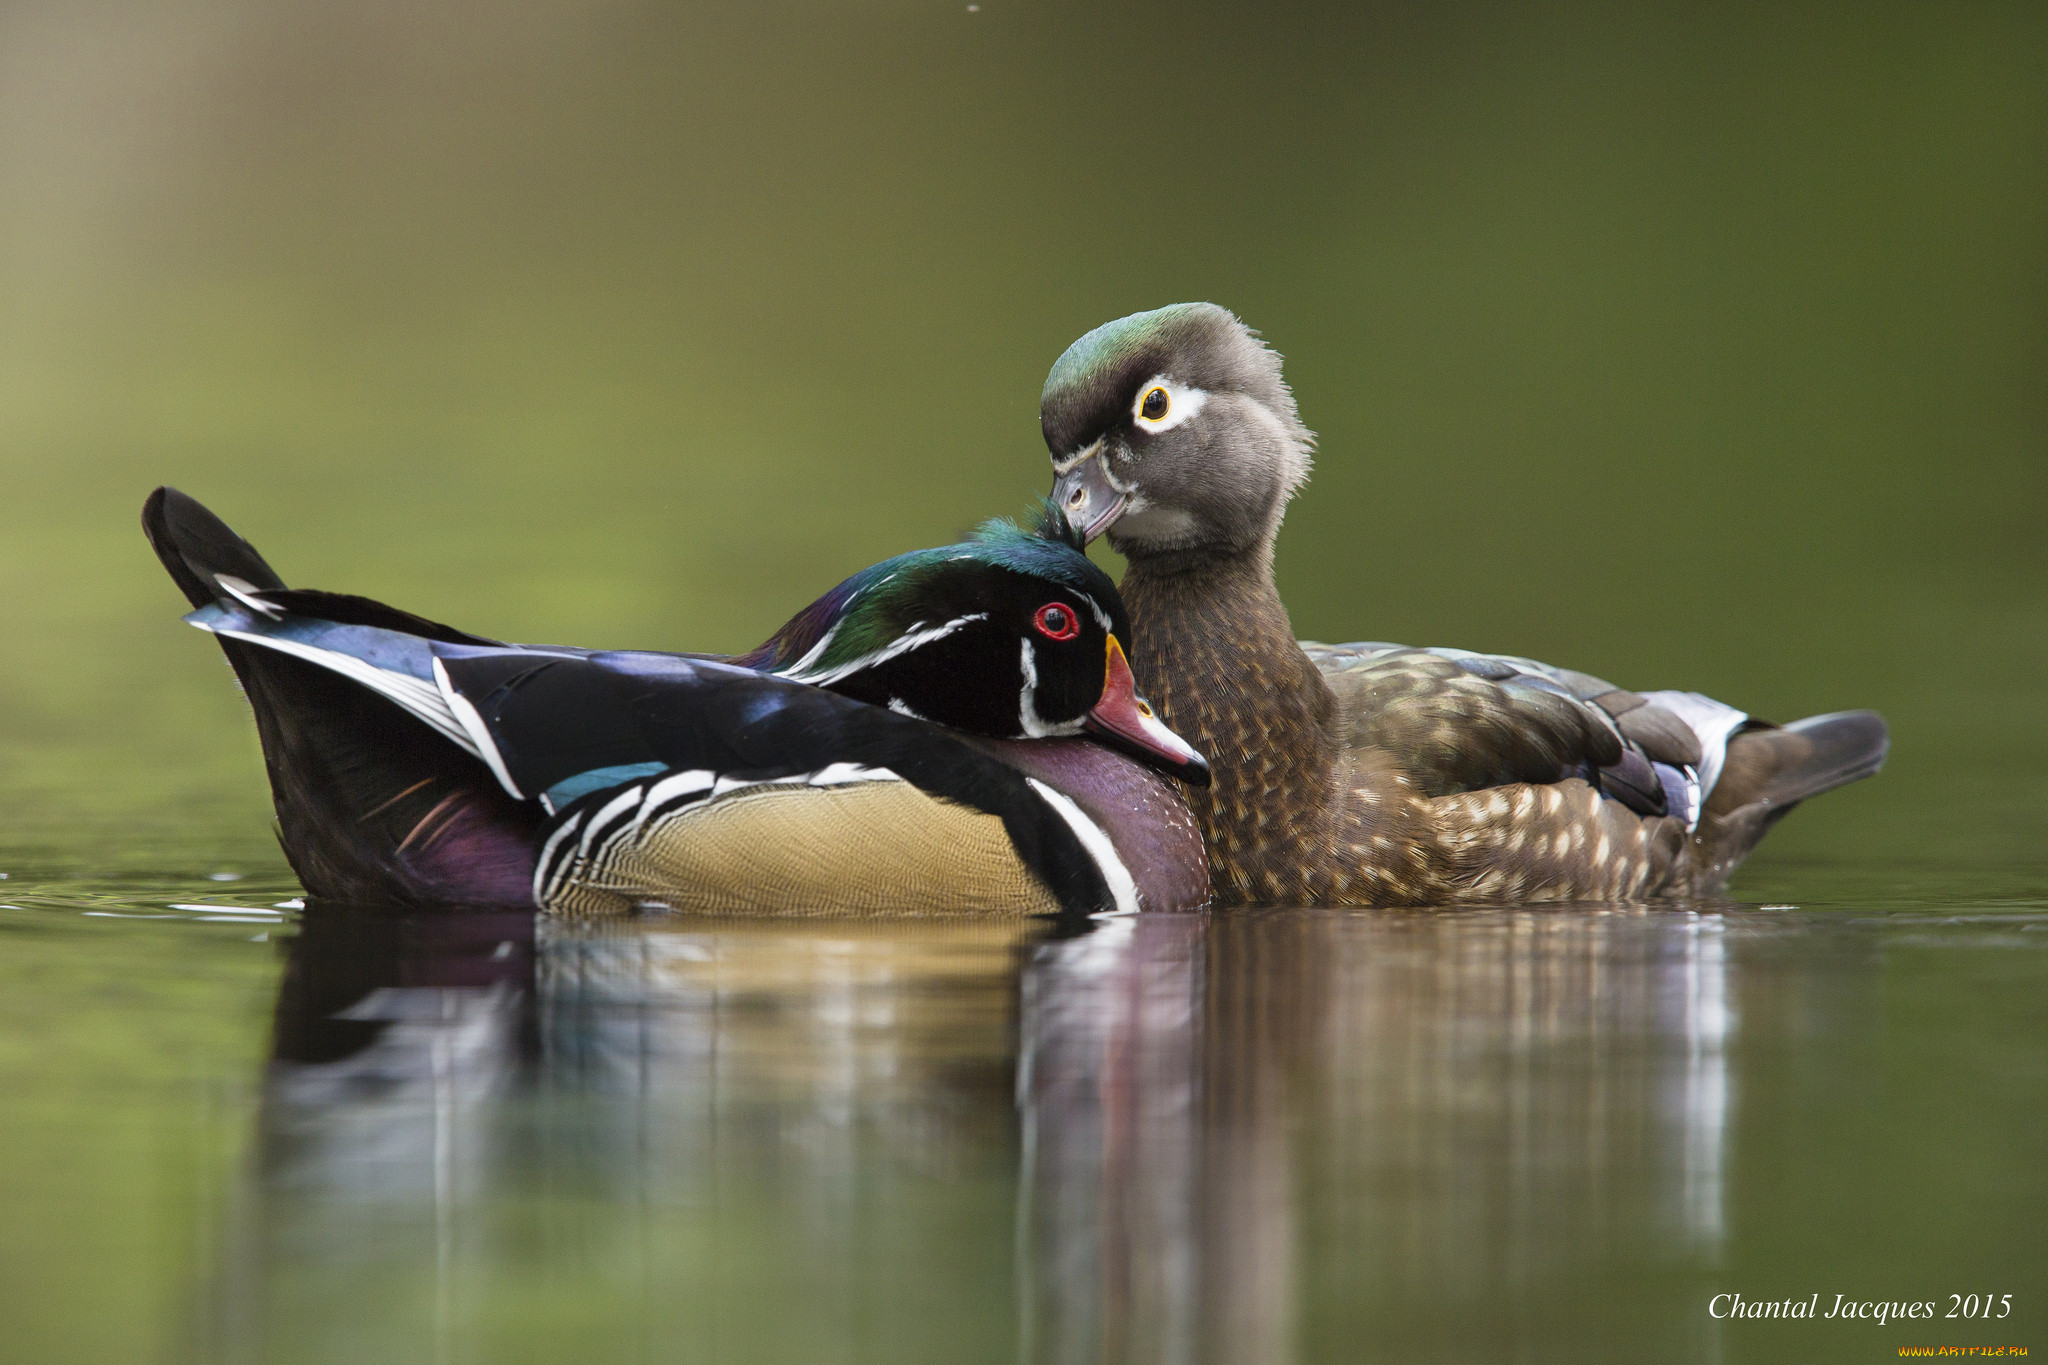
pixel 372 804
pixel 1770 769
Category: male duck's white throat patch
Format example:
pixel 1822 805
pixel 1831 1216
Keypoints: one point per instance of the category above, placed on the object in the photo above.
pixel 1028 719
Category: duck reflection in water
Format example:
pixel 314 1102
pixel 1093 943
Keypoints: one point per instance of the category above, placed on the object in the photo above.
pixel 1281 1135
pixel 1243 1137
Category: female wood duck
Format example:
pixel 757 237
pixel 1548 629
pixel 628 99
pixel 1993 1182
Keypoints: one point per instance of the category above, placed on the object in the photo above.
pixel 928 736
pixel 1371 773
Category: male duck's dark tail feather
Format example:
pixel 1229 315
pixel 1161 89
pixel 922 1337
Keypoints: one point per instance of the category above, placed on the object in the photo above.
pixel 1770 769
pixel 372 805
pixel 197 546
pixel 199 549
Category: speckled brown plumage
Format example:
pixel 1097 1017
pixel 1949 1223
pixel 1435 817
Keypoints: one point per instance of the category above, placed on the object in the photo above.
pixel 1381 796
pixel 1259 850
pixel 1370 773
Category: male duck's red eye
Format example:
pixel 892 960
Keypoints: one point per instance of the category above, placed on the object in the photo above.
pixel 1055 622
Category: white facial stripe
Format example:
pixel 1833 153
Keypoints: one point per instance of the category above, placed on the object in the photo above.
pixel 811 657
pixel 1105 464
pixel 1061 466
pixel 902 644
pixel 1101 616
pixel 1182 404
pixel 1027 698
pixel 1130 490
pixel 1123 888
pixel 902 708
pixel 1027 704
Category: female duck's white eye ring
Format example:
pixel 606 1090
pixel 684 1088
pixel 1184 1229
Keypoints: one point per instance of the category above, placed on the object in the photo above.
pixel 1162 405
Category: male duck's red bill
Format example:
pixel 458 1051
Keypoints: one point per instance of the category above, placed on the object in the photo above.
pixel 1127 721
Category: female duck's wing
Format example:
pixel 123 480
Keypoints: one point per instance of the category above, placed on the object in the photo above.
pixel 1459 721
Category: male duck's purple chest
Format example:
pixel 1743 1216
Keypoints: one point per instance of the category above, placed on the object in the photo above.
pixel 1147 821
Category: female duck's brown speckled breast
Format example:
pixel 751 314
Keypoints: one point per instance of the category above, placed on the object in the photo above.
pixel 1217 656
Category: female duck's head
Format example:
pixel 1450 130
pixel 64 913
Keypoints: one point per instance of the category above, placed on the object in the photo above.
pixel 1011 634
pixel 1173 432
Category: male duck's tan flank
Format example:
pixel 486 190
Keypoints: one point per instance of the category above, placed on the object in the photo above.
pixel 1373 774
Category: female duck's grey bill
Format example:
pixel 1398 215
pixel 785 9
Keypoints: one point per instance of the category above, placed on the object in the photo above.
pixel 1086 497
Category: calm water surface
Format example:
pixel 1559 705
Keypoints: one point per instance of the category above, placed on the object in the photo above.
pixel 1694 346
pixel 253 1130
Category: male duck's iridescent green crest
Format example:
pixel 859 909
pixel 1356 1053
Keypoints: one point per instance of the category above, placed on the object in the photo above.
pixel 1012 634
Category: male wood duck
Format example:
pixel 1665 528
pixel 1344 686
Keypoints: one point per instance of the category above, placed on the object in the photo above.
pixel 929 736
pixel 1375 774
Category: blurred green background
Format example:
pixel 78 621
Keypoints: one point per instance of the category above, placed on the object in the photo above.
pixel 1699 347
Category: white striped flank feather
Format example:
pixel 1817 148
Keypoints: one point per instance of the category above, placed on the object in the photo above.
pixel 473 724
pixel 1123 888
pixel 569 859
pixel 548 870
pixel 676 790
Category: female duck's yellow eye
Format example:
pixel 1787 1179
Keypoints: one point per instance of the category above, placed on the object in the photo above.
pixel 1154 406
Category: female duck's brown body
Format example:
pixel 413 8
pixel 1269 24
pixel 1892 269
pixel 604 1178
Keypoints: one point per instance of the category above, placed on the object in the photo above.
pixel 1294 816
pixel 1374 774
